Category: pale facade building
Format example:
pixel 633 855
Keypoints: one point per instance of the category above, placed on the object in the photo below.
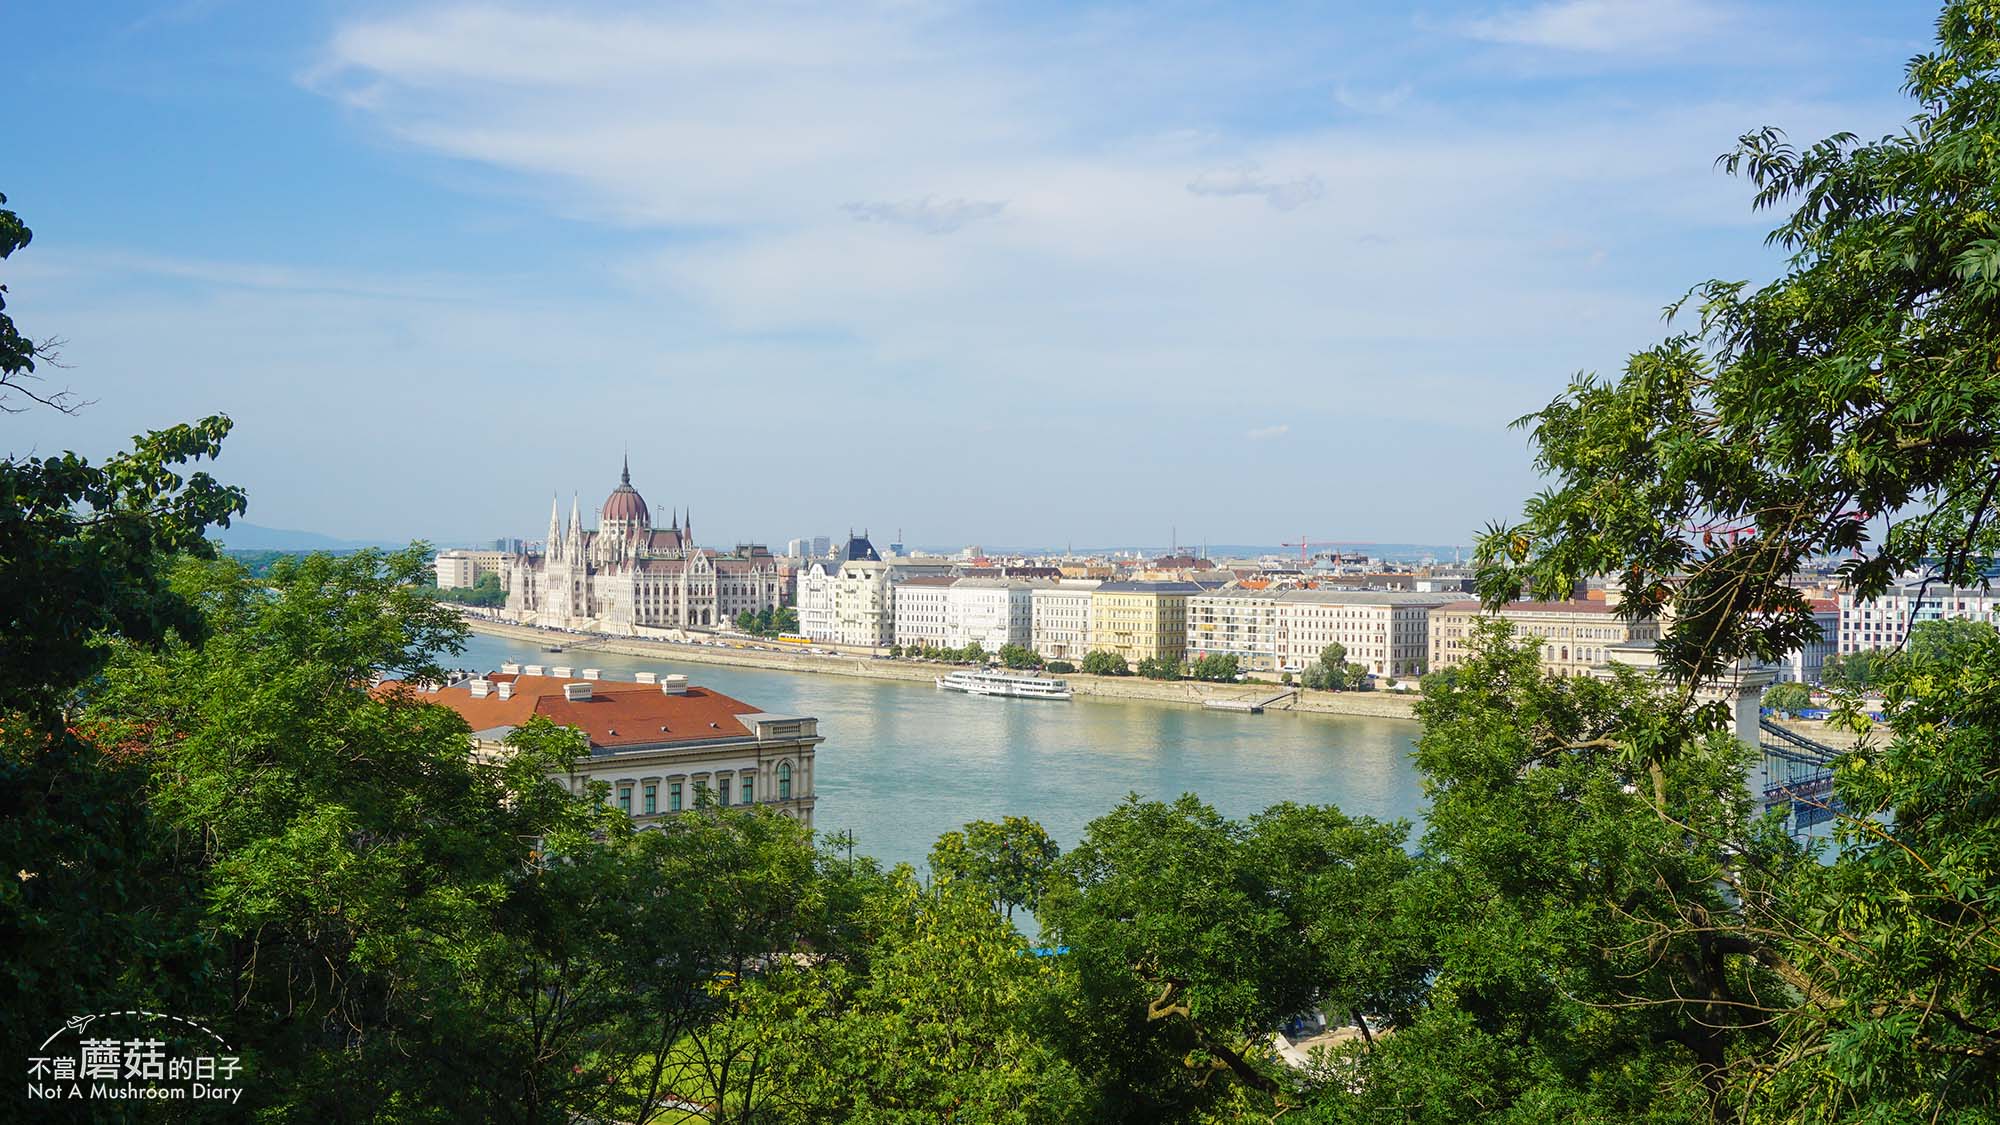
pixel 1885 622
pixel 1059 619
pixel 657 745
pixel 852 601
pixel 992 612
pixel 627 575
pixel 920 611
pixel 461 568
pixel 1141 620
pixel 1808 664
pixel 1238 623
pixel 1577 636
pixel 1385 631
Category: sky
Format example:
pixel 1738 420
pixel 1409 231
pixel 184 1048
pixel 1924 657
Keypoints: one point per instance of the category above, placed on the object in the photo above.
pixel 1010 274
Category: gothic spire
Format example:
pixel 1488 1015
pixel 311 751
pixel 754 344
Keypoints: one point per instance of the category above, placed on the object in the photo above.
pixel 625 474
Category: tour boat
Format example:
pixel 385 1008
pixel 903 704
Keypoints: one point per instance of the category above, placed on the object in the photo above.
pixel 1005 683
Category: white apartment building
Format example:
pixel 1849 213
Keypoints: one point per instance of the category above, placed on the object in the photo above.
pixel 460 568
pixel 852 601
pixel 1238 623
pixel 1384 631
pixel 994 612
pixel 1806 665
pixel 1885 622
pixel 921 605
pixel 1059 619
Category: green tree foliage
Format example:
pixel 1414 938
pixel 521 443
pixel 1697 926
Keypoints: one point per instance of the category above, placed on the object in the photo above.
pixel 1584 944
pixel 485 590
pixel 80 544
pixel 83 561
pixel 1191 935
pixel 1019 657
pixel 1059 668
pixel 768 622
pixel 1010 861
pixel 1102 663
pixel 935 1014
pixel 1160 668
pixel 1332 672
pixel 1216 668
pixel 1788 697
pixel 1847 408
pixel 1858 671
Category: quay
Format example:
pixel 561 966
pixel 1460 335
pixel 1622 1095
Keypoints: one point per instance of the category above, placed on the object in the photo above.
pixel 1250 697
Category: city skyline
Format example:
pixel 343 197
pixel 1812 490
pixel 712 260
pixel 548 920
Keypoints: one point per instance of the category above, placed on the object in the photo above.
pixel 1032 276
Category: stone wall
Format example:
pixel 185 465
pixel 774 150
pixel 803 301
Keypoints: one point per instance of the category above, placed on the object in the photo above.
pixel 1380 705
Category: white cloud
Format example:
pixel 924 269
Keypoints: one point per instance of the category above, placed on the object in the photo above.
pixel 932 216
pixel 1266 433
pixel 1600 25
pixel 1377 101
pixel 1247 179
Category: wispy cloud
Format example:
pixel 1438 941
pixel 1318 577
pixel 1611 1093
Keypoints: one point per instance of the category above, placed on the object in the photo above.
pixel 1599 25
pixel 1247 179
pixel 1266 433
pixel 1372 101
pixel 932 216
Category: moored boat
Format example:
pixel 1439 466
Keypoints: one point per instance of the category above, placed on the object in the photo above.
pixel 1012 684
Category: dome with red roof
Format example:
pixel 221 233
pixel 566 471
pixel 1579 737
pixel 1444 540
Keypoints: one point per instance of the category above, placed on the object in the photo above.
pixel 625 509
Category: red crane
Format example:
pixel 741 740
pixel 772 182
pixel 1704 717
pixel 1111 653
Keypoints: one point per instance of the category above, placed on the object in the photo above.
pixel 1305 546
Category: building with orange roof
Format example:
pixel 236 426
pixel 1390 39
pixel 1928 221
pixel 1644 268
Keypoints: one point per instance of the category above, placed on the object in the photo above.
pixel 658 744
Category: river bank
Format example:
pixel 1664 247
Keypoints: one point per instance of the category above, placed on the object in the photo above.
pixel 1375 705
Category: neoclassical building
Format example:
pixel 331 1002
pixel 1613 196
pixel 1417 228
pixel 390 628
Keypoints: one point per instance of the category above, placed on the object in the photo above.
pixel 628 574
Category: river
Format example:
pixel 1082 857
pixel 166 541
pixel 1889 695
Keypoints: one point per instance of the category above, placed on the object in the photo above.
pixel 904 763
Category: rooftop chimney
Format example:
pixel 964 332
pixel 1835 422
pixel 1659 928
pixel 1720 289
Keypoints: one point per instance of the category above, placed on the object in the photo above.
pixel 561 672
pixel 532 670
pixel 507 690
pixel 480 688
pixel 674 685
pixel 511 669
pixel 592 673
pixel 575 692
pixel 646 678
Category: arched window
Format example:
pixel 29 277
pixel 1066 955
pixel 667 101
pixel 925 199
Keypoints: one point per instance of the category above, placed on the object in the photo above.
pixel 784 781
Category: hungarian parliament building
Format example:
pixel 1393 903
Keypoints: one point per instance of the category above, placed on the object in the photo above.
pixel 627 575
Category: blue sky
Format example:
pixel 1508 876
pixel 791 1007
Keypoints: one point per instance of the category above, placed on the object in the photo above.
pixel 1009 274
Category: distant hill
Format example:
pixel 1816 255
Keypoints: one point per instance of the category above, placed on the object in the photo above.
pixel 1390 552
pixel 242 536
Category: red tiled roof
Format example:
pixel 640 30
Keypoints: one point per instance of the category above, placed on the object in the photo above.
pixel 617 715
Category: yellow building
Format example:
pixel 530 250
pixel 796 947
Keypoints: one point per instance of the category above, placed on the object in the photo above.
pixel 1575 635
pixel 1141 620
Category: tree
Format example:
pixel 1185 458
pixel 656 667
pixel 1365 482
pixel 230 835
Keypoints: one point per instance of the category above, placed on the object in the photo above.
pixel 1160 668
pixel 1191 936
pixel 90 905
pixel 1060 667
pixel 972 653
pixel 1847 408
pixel 1788 697
pixel 1216 668
pixel 935 1016
pixel 1102 663
pixel 1009 861
pixel 1019 656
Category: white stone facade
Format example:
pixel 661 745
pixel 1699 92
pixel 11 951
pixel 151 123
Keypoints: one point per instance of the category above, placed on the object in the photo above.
pixel 1059 620
pixel 1885 622
pixel 991 612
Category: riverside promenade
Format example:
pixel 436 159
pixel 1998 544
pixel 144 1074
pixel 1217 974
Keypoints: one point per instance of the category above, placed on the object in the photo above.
pixel 1376 705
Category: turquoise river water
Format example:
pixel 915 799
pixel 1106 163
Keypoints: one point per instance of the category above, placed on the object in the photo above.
pixel 904 762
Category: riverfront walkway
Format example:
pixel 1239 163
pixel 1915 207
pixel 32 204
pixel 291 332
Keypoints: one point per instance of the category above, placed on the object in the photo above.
pixel 575 646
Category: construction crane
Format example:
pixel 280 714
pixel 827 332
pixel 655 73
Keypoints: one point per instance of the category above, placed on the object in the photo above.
pixel 1305 547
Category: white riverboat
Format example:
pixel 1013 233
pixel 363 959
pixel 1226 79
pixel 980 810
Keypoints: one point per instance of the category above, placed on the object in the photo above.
pixel 1013 684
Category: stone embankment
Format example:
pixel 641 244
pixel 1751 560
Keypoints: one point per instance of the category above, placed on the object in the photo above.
pixel 1379 705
